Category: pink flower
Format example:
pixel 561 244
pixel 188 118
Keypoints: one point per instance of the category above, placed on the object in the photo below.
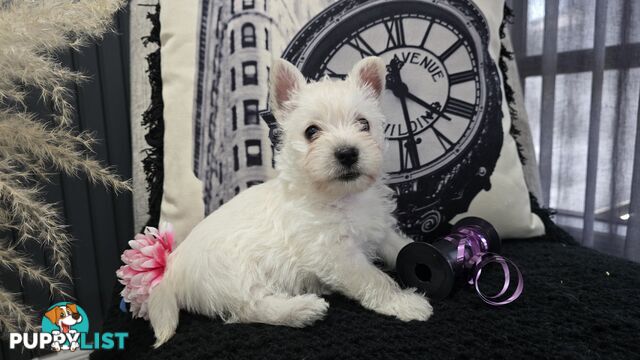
pixel 144 266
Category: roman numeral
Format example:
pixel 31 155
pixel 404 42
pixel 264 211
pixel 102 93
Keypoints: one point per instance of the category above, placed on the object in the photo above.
pixel 395 31
pixel 444 141
pixel 335 75
pixel 445 55
pixel 461 77
pixel 459 108
pixel 358 43
pixel 409 158
pixel 426 34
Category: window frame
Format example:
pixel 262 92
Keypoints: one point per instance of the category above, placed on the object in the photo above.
pixel 236 158
pixel 253 160
pixel 245 106
pixel 249 79
pixel 248 39
pixel 233 78
pixel 234 118
pixel 248 4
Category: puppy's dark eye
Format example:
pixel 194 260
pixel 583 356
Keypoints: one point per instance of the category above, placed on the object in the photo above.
pixel 364 124
pixel 312 132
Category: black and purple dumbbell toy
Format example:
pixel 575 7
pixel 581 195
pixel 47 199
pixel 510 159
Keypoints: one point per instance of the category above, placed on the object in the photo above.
pixel 437 269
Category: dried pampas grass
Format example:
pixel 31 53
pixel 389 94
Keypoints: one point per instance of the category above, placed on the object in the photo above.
pixel 31 33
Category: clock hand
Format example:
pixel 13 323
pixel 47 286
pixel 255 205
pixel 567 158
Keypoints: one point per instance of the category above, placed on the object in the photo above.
pixel 394 81
pixel 426 105
pixel 400 89
pixel 412 148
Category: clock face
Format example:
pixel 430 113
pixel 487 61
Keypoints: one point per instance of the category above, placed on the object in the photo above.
pixel 434 121
pixel 442 102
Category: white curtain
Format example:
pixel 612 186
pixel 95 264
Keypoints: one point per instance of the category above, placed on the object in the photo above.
pixel 580 66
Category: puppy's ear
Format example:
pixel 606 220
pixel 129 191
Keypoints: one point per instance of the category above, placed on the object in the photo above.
pixel 73 307
pixel 52 315
pixel 369 73
pixel 284 81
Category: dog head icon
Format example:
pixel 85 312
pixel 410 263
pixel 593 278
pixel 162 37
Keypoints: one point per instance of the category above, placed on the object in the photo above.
pixel 64 316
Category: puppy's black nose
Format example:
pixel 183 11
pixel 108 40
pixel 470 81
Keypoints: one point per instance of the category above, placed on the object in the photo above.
pixel 347 155
pixel 75 316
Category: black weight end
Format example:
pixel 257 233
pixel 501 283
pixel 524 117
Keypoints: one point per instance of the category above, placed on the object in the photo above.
pixel 422 266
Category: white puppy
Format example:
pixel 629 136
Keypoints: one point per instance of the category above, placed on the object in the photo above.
pixel 268 254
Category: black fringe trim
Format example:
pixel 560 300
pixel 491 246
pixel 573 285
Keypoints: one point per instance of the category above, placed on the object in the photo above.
pixel 552 231
pixel 506 55
pixel 153 121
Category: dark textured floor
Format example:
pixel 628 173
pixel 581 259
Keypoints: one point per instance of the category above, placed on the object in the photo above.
pixel 577 304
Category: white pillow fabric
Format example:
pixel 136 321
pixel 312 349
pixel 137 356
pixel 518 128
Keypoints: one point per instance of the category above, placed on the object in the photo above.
pixel 182 203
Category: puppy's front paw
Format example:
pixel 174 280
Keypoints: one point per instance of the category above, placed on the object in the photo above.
pixel 406 305
pixel 307 309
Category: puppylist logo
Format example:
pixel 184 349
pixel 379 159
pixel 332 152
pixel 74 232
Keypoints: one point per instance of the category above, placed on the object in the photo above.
pixel 65 326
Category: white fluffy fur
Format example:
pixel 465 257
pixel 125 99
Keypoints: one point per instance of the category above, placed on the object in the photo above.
pixel 267 255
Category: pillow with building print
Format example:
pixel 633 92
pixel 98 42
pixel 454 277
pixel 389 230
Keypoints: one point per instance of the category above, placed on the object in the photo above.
pixel 215 58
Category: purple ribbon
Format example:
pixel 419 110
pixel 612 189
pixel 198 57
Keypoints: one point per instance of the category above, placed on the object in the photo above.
pixel 471 237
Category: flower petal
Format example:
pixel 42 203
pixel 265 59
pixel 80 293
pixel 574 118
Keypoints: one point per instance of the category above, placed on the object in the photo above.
pixel 144 266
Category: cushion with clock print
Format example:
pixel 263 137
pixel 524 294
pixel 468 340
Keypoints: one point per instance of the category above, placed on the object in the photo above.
pixel 450 153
